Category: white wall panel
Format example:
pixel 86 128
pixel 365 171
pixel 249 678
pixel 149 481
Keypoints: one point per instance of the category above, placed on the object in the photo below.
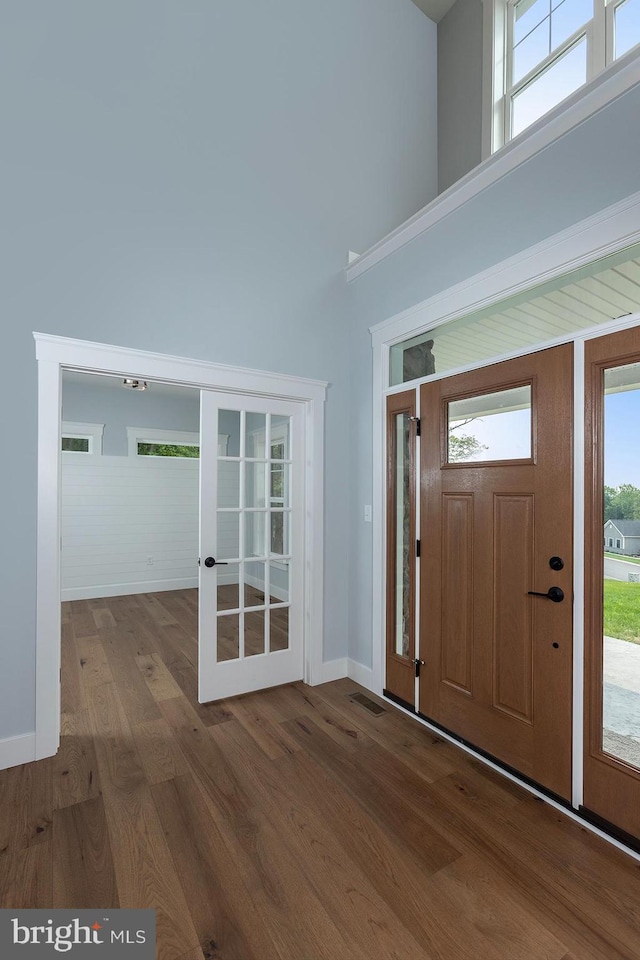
pixel 117 512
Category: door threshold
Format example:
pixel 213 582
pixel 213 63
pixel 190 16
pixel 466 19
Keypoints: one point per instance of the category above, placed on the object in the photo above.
pixel 627 839
pixel 590 821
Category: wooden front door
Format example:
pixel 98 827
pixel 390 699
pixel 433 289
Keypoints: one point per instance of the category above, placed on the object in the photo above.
pixel 612 594
pixel 496 525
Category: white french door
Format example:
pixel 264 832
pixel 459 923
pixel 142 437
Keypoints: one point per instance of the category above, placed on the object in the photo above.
pixel 251 616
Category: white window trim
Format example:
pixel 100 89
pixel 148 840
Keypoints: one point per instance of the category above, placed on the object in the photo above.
pixel 497 90
pixel 136 435
pixel 93 432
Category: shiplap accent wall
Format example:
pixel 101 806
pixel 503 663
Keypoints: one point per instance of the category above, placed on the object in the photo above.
pixel 117 512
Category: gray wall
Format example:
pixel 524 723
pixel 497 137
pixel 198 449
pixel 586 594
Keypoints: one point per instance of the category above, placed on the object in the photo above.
pixel 187 178
pixel 92 402
pixel 459 91
pixel 588 169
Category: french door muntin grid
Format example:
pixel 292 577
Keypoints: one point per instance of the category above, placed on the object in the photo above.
pixel 279 435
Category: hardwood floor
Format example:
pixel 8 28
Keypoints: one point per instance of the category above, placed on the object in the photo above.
pixel 292 824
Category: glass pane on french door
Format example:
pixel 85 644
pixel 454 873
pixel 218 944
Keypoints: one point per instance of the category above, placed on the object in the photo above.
pixel 621 566
pixel 252 493
pixel 254 535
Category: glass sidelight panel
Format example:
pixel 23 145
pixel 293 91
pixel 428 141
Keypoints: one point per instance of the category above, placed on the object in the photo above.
pixel 621 565
pixel 403 522
pixel 400 601
pixel 491 427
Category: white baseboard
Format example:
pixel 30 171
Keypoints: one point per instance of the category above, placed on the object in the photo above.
pixel 334 670
pixel 15 750
pixel 125 589
pixel 361 674
pixel 344 667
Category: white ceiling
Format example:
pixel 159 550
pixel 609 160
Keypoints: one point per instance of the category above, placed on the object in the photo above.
pixel 106 382
pixel 434 9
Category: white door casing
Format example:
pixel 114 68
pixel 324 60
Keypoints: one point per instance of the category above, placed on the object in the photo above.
pixel 54 354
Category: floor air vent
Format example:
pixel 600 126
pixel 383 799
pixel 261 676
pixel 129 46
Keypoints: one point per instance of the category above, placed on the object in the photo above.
pixel 367 703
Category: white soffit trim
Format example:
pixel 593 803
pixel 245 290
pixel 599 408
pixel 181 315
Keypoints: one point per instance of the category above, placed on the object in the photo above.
pixel 608 86
pixel 107 358
pixel 603 233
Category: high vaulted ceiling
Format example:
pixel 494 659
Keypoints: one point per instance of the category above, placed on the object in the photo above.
pixel 434 9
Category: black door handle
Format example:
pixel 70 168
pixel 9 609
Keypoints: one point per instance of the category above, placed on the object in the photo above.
pixel 556 594
pixel 212 562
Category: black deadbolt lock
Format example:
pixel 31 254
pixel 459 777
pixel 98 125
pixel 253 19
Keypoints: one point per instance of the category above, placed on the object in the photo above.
pixel 556 563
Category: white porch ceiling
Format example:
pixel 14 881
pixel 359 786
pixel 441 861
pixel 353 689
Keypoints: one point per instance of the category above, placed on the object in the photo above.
pixel 602 291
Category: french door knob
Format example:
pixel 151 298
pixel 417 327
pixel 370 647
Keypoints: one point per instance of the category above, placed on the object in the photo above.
pixel 555 594
pixel 212 562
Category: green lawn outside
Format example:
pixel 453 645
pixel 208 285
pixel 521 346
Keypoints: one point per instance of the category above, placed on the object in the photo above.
pixel 622 610
pixel 619 556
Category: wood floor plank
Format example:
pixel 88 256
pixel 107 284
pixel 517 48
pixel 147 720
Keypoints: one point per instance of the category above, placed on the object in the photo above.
pixel 512 931
pixel 144 869
pixel 158 750
pixel 72 697
pixel 26 793
pixel 292 823
pixel 253 842
pixel 385 806
pixel 133 691
pixel 82 620
pixel 296 700
pixel 345 891
pixel 186 677
pixel 154 610
pixel 206 761
pixel 102 615
pixel 255 714
pixel 83 872
pixel 94 668
pixel 26 877
pixel 221 906
pixel 157 677
pixel 560 882
pixel 75 767
pixel 428 754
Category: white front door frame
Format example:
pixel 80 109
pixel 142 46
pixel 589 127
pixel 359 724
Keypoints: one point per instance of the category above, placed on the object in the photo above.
pixel 54 354
pixel 605 233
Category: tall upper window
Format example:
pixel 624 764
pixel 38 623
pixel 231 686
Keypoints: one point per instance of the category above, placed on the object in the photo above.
pixel 545 50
